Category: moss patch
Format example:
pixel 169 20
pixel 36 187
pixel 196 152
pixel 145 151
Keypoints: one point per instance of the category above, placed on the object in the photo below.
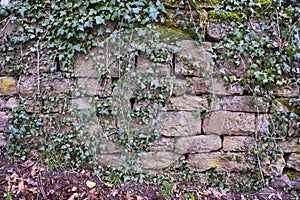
pixel 292 174
pixel 215 17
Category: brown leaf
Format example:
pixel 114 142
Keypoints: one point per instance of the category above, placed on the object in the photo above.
pixel 73 196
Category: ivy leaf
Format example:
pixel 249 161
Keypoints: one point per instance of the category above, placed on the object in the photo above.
pixel 22 11
pixel 99 20
pixel 136 10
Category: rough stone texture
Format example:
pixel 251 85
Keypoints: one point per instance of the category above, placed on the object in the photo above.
pixel 4 122
pixel 107 160
pixel 84 66
pixel 7 86
pixel 291 90
pixel 229 123
pixel 32 106
pixel 81 103
pixel 220 162
pixel 262 123
pixel 164 144
pixel 188 103
pixel 109 147
pixel 213 31
pixel 271 167
pixel 197 144
pixel 145 65
pixel 158 160
pixel 28 86
pixel 91 86
pixel 237 143
pixel 2 140
pixel 179 123
pixel 199 86
pixel 2 103
pixel 12 103
pixel 56 87
pixel 291 145
pixel 245 104
pixel 293 161
pixel 195 59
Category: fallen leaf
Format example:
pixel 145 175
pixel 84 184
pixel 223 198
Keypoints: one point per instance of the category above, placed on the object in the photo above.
pixel 90 184
pixel 75 195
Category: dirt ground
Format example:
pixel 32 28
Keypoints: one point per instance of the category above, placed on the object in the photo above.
pixel 31 180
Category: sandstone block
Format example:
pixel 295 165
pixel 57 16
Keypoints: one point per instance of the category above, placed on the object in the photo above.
pixel 291 90
pixel 2 103
pixel 4 119
pixel 158 160
pixel 232 162
pixel 147 66
pixel 110 160
pixel 194 59
pixel 291 145
pixel 164 144
pixel 213 31
pixel 262 123
pixel 271 167
pixel 91 86
pixel 237 143
pixel 229 123
pixel 179 123
pixel 84 66
pixel 293 161
pixel 82 103
pixel 12 103
pixel 28 86
pixel 188 103
pixel 56 87
pixel 197 144
pixel 7 86
pixel 2 140
pixel 245 104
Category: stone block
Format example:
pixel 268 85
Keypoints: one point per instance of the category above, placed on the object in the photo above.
pixel 12 103
pixel 2 103
pixel 213 32
pixel 109 160
pixel 233 162
pixel 179 123
pixel 149 67
pixel 245 104
pixel 8 86
pixel 197 144
pixel 291 145
pixel 91 86
pixel 163 144
pixel 2 140
pixel 237 143
pixel 194 59
pixel 82 103
pixel 188 103
pixel 4 120
pixel 293 161
pixel 32 106
pixel 290 90
pixel 28 86
pixel 158 160
pixel 84 66
pixel 229 123
pixel 271 167
pixel 262 123
pixel 57 87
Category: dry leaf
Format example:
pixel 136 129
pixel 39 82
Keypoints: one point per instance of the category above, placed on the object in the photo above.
pixel 90 184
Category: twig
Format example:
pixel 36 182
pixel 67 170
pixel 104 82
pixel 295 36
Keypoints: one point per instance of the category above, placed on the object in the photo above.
pixel 38 65
pixel 41 186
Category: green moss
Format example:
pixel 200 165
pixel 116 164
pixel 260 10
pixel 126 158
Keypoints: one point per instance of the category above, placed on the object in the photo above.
pixel 292 174
pixel 215 17
pixel 263 2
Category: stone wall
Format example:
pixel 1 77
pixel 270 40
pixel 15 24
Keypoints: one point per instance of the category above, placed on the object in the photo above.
pixel 211 132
